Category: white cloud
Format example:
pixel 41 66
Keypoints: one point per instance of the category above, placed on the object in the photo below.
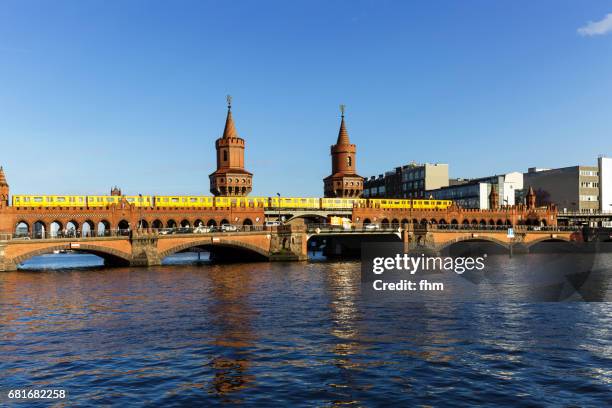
pixel 597 27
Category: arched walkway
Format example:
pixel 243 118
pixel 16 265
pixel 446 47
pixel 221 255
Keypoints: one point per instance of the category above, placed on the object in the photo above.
pixel 104 228
pixel 22 229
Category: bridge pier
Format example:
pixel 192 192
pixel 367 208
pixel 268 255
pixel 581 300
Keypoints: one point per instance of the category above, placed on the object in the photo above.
pixel 289 243
pixel 144 250
pixel 6 264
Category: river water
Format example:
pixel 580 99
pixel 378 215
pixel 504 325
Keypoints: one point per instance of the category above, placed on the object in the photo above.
pixel 300 334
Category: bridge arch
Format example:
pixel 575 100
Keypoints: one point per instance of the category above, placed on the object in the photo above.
pixel 157 224
pixel 111 256
pixel 185 223
pixel 123 225
pixel 315 218
pixel 103 228
pixel 22 228
pixel 88 228
pixel 560 238
pixel 446 245
pixel 246 249
pixel 171 223
pixel 55 228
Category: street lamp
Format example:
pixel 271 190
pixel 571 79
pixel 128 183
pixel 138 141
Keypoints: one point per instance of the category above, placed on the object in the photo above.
pixel 279 208
pixel 511 238
pixel 139 212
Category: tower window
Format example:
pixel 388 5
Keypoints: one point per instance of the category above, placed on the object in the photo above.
pixel 225 155
pixel 349 161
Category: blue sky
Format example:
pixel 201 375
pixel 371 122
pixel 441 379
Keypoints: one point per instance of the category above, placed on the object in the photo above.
pixel 98 93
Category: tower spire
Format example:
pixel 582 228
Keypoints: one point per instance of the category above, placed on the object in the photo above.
pixel 230 178
pixel 230 128
pixel 3 181
pixel 343 137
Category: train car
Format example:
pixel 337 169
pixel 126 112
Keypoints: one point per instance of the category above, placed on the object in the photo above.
pixel 27 200
pixel 102 201
pixel 256 201
pixel 140 201
pixel 183 201
pixel 431 204
pixel 339 203
pixel 391 203
pixel 294 202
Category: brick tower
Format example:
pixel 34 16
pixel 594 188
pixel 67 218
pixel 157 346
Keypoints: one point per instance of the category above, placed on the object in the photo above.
pixel 344 180
pixel 531 198
pixel 230 178
pixel 493 198
pixel 4 189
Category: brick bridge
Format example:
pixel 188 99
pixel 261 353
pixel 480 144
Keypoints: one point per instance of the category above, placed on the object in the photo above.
pixel 285 243
pixel 437 238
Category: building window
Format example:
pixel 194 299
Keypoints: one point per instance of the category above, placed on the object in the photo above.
pixel 225 155
pixel 349 161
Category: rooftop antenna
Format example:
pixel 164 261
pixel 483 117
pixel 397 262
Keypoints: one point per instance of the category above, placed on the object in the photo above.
pixel 342 109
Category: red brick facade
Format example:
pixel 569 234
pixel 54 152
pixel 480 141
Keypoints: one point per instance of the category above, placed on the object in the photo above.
pixel 230 178
pixel 344 180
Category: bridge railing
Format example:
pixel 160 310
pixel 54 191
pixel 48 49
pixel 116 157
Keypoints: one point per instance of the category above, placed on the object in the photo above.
pixel 516 228
pixel 393 227
pixel 79 234
pixel 318 228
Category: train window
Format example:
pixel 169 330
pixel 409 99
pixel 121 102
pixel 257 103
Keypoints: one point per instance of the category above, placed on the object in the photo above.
pixel 174 199
pixel 193 200
pixel 338 201
pixel 60 199
pixel 38 199
pixel 26 199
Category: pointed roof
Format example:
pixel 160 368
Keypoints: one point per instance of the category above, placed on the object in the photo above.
pixel 230 128
pixel 343 137
pixel 493 191
pixel 3 181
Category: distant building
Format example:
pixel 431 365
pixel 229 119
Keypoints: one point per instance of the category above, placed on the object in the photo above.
pixel 476 193
pixel 408 181
pixel 585 189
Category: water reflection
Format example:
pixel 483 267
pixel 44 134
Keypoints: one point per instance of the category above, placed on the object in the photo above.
pixel 281 334
pixel 231 317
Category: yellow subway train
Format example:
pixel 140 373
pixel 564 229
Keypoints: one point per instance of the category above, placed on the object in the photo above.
pixel 297 203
